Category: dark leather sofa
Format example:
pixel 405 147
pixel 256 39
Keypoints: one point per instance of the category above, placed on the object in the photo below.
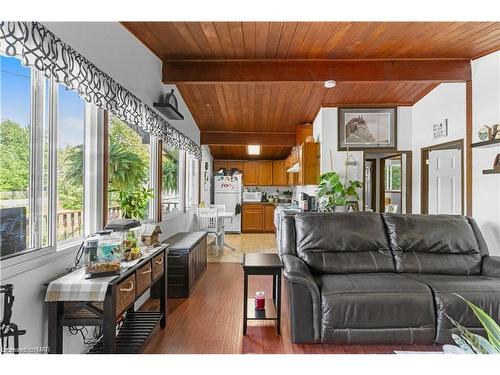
pixel 367 278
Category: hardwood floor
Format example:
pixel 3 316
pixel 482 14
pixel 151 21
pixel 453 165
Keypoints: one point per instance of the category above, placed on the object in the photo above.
pixel 210 321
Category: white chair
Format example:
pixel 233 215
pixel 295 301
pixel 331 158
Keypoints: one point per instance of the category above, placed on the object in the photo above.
pixel 208 220
pixel 220 209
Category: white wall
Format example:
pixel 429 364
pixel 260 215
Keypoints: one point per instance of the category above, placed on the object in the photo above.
pixel 486 111
pixel 447 101
pixel 118 53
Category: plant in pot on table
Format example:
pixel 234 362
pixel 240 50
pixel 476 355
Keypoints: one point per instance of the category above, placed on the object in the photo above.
pixel 335 194
pixel 133 204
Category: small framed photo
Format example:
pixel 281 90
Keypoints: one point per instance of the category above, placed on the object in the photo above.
pixel 367 128
pixel 441 129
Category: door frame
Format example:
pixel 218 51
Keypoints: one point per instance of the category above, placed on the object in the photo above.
pixel 374 184
pixel 424 175
pixel 381 172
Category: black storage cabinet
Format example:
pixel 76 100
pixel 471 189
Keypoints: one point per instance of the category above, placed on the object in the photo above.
pixel 187 261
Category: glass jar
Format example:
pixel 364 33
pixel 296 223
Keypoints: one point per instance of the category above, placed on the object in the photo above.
pixel 103 254
pixel 260 300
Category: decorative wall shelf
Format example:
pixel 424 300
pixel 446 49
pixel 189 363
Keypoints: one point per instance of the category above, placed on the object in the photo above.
pixel 491 171
pixel 491 143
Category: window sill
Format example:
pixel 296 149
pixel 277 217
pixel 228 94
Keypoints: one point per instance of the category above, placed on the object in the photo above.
pixel 37 258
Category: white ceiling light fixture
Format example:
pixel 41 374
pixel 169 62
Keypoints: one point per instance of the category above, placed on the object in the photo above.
pixel 330 84
pixel 253 149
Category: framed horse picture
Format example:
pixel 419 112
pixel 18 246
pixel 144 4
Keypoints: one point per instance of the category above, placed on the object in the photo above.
pixel 367 128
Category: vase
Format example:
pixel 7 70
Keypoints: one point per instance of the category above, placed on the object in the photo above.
pixel 340 209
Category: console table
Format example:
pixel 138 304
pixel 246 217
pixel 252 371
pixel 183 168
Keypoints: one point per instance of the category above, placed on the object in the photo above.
pixel 111 307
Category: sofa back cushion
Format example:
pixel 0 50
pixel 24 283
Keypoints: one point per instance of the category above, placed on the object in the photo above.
pixel 442 244
pixel 343 242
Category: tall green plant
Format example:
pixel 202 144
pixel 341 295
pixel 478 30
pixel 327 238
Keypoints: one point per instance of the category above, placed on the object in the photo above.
pixel 332 191
pixel 473 343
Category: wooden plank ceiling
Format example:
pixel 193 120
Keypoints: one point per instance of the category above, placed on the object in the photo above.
pixel 280 106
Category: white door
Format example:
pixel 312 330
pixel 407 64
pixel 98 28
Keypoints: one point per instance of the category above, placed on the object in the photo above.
pixel 445 182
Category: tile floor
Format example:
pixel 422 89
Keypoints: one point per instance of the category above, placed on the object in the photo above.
pixel 242 243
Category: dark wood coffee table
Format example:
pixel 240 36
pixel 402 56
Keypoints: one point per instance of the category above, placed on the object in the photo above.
pixel 262 264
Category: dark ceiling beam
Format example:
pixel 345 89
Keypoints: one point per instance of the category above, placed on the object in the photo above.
pixel 227 138
pixel 236 71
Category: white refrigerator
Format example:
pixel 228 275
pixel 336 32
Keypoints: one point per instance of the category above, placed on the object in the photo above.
pixel 228 190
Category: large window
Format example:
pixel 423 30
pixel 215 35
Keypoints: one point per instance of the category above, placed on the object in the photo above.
pixel 15 146
pixel 393 175
pixel 43 161
pixel 128 170
pixel 70 160
pixel 170 183
pixel 192 166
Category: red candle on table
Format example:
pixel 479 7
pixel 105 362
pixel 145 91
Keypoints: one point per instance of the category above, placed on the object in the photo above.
pixel 260 301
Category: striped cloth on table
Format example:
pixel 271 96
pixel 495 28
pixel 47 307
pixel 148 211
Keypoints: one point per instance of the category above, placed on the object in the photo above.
pixel 74 287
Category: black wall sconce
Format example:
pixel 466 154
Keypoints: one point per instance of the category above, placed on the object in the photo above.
pixel 168 106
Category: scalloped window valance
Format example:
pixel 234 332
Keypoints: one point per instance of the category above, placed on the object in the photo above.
pixel 41 49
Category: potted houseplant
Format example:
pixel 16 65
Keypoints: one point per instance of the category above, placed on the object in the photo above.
pixel 471 343
pixel 334 194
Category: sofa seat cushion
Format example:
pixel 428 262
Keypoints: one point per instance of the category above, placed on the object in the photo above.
pixel 434 244
pixel 375 308
pixel 483 291
pixel 343 242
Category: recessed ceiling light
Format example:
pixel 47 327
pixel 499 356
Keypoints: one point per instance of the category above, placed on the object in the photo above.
pixel 330 83
pixel 253 149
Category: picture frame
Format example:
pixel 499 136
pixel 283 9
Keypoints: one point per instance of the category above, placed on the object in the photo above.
pixel 440 130
pixel 496 163
pixel 367 128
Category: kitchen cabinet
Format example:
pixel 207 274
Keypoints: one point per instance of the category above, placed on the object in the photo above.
pixel 252 218
pixel 257 218
pixel 269 218
pixel 265 176
pixel 308 155
pixel 279 173
pixel 302 132
pixel 219 164
pixel 250 173
pixel 235 164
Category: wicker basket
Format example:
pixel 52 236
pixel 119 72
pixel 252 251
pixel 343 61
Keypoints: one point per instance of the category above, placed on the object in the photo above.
pixel 125 294
pixel 143 277
pixel 158 265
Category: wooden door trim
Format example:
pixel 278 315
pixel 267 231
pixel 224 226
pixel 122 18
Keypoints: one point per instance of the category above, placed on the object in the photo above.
pixel 424 175
pixel 408 181
pixel 374 183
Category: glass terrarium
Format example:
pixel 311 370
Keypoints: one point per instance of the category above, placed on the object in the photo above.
pixel 103 255
pixel 128 230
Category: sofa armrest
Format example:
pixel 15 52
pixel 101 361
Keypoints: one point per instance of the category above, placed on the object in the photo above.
pixel 304 300
pixel 490 266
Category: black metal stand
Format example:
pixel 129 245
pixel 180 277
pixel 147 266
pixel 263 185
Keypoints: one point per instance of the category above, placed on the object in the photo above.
pixel 7 328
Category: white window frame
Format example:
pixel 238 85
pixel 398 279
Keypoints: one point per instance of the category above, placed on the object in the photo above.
pixel 195 177
pixel 41 101
pixel 181 171
pixel 68 243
